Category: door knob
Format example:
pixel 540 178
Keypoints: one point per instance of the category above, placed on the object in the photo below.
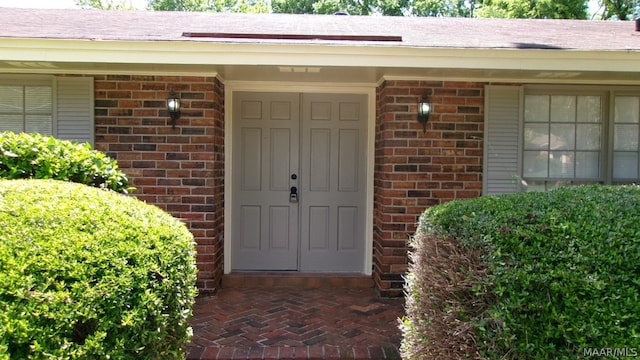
pixel 293 195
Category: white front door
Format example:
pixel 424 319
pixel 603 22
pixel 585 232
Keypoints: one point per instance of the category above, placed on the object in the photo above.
pixel 299 176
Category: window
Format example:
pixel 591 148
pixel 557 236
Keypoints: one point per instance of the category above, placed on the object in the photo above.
pixel 59 106
pixel 626 132
pixel 562 140
pixel 26 108
pixel 539 137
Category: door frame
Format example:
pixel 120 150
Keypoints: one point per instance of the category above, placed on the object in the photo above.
pixel 231 87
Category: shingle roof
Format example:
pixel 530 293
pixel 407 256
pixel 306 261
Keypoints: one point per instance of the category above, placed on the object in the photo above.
pixel 464 33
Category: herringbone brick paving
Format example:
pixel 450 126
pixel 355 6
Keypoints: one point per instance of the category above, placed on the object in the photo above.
pixel 291 323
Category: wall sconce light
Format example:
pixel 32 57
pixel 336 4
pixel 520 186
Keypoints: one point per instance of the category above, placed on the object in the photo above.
pixel 173 108
pixel 424 110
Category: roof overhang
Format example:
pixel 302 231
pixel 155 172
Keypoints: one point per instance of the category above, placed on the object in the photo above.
pixel 316 62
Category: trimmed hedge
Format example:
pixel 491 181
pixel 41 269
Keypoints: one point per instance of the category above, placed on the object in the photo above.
pixel 88 274
pixel 34 156
pixel 562 273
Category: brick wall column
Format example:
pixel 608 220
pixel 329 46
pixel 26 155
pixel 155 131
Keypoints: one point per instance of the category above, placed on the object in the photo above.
pixel 415 170
pixel 181 169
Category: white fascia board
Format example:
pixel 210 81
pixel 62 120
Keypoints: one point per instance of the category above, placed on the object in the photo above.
pixel 209 53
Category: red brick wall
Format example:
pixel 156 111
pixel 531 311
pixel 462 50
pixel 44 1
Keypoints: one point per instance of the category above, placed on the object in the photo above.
pixel 415 170
pixel 180 170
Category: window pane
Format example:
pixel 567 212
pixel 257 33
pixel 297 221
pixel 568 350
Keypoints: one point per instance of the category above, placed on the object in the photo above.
pixel 627 109
pixel 625 165
pixel 561 164
pixel 588 165
pixel 625 137
pixel 563 108
pixel 38 124
pixel 536 136
pixel 589 109
pixel 536 108
pixel 535 164
pixel 13 123
pixel 38 99
pixel 588 137
pixel 11 99
pixel 563 137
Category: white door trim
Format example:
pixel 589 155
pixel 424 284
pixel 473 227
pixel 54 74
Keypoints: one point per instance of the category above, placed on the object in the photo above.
pixel 327 88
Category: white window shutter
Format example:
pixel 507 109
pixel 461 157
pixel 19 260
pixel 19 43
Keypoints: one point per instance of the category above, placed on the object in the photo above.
pixel 502 139
pixel 74 110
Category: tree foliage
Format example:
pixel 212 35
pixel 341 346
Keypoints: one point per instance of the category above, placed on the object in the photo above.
pixel 293 7
pixel 451 8
pixel 538 9
pixel 352 7
pixel 239 6
pixel 618 9
pixel 106 4
pixel 532 9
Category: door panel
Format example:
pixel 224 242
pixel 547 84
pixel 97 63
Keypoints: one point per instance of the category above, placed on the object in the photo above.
pixel 319 160
pixel 250 151
pixel 319 227
pixel 348 160
pixel 280 149
pixel 265 155
pixel 347 232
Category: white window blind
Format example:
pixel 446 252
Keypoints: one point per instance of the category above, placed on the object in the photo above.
pixel 26 108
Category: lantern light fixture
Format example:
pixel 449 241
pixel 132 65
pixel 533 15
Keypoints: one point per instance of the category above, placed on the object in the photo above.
pixel 173 108
pixel 424 110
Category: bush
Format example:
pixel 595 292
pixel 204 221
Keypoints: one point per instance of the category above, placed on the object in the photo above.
pixel 88 274
pixel 33 156
pixel 562 271
pixel 440 303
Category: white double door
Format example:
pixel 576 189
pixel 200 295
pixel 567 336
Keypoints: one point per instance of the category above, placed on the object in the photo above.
pixel 299 178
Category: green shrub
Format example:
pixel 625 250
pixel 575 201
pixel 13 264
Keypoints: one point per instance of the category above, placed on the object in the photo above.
pixel 562 269
pixel 33 156
pixel 440 303
pixel 88 274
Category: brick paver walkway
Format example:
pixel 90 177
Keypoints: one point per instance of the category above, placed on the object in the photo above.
pixel 290 323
